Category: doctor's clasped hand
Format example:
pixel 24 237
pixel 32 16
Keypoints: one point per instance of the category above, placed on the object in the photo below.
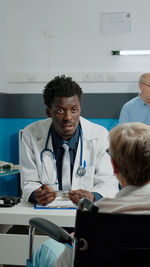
pixel 76 195
pixel 45 195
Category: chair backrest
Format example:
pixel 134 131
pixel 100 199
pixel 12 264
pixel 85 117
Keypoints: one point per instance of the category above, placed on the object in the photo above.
pixel 104 239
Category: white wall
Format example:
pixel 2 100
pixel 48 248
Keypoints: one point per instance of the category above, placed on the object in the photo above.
pixel 2 47
pixel 44 38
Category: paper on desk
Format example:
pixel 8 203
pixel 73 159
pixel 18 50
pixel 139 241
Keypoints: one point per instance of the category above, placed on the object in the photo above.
pixel 58 203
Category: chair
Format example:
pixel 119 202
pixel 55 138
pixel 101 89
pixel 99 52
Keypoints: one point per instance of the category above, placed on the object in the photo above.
pixel 103 239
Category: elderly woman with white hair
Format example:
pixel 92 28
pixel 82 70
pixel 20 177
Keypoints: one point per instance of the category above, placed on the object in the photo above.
pixel 129 149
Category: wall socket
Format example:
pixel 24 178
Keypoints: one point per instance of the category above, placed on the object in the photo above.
pixel 83 77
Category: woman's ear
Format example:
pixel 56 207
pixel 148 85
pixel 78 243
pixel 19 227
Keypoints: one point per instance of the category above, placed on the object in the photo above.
pixel 115 167
pixel 118 175
pixel 48 113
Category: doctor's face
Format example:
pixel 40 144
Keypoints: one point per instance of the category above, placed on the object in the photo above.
pixel 65 114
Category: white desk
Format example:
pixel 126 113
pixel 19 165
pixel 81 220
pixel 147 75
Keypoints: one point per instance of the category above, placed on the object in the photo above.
pixel 14 248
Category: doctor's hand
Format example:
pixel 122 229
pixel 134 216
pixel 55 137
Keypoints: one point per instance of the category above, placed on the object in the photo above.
pixel 45 195
pixel 76 195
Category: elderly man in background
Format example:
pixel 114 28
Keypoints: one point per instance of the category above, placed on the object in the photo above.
pixel 138 108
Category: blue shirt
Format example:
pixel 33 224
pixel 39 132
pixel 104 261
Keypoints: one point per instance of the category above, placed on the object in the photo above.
pixel 59 151
pixel 135 110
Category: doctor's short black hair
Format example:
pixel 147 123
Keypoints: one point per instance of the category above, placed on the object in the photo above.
pixel 60 86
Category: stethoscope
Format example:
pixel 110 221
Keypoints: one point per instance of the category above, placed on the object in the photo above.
pixel 81 169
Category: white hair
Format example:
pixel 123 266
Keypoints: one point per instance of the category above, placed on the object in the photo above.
pixel 143 76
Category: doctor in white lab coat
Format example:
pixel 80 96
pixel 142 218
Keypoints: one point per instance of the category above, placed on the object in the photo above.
pixel 62 97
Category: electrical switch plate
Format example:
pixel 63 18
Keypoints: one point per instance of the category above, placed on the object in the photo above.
pixel 31 77
pixel 87 77
pixel 99 77
pixel 48 32
pixel 110 77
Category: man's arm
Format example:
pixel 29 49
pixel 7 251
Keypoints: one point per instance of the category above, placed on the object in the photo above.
pixel 124 115
pixel 32 189
pixel 43 195
pixel 28 168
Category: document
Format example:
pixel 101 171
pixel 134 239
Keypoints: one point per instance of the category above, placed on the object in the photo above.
pixel 58 203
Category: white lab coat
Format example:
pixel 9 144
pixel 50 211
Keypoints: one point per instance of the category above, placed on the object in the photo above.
pixel 99 174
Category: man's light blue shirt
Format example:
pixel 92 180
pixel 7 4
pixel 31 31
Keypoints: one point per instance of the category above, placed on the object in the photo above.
pixel 135 110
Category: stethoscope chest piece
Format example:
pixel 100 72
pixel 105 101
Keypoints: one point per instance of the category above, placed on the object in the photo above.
pixel 48 152
pixel 81 171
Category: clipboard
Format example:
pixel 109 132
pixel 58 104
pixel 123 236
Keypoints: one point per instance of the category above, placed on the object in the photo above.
pixel 58 203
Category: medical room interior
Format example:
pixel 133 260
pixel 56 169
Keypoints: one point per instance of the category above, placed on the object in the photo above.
pixel 41 39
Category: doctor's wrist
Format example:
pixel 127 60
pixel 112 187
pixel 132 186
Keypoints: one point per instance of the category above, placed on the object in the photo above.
pixel 32 198
pixel 97 196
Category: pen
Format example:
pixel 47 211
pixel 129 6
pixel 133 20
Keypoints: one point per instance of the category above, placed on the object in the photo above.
pixel 74 195
pixel 42 185
pixel 59 192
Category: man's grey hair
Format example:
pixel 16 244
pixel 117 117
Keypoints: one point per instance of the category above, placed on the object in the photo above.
pixel 143 76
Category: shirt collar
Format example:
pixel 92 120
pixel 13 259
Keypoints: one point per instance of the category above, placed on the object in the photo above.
pixel 58 141
pixel 141 100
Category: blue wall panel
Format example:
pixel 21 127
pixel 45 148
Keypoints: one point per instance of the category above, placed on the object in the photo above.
pixel 9 135
pixel 107 123
pixel 9 185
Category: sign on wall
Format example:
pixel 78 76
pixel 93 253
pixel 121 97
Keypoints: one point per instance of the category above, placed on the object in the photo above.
pixel 115 23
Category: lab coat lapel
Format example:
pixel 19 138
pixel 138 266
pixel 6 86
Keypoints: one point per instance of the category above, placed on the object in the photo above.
pixel 49 165
pixel 76 166
pixel 86 137
pixel 42 133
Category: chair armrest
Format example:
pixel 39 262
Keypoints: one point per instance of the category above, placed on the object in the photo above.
pixel 87 204
pixel 51 229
